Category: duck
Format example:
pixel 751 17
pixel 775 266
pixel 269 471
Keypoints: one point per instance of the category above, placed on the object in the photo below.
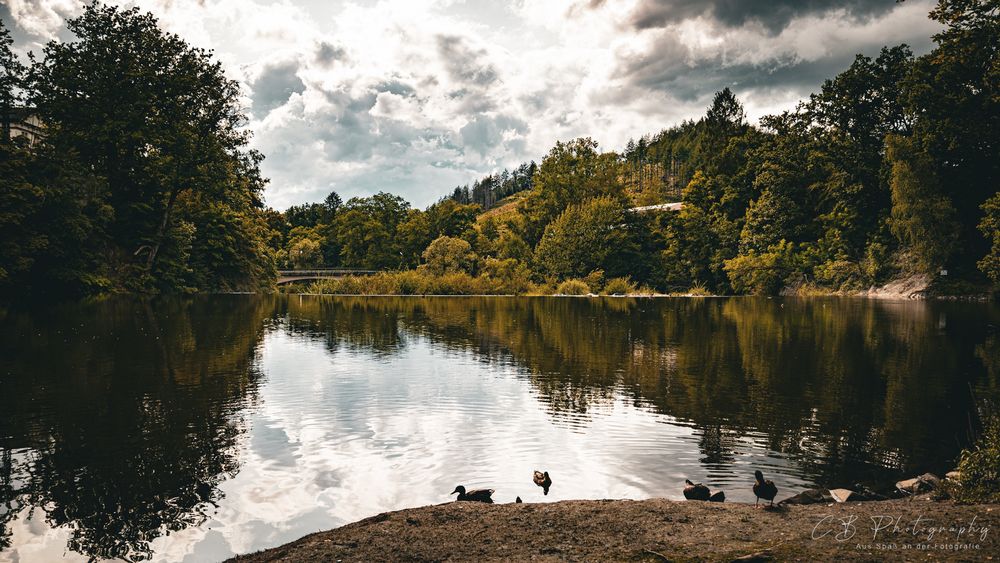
pixel 543 480
pixel 696 491
pixel 717 496
pixel 764 489
pixel 475 495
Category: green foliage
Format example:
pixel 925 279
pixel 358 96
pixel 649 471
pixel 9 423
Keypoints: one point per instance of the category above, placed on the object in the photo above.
pixel 573 287
pixel 143 181
pixel 412 282
pixel 572 172
pixel 760 273
pixel 922 219
pixel 990 227
pixel 598 234
pixel 979 466
pixel 305 253
pixel 839 274
pixel 448 255
pixel 508 275
pixel 620 286
pixel 146 183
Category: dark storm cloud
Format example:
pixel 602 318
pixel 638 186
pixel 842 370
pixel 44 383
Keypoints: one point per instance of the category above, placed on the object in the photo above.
pixel 774 15
pixel 274 86
pixel 667 68
pixel 465 63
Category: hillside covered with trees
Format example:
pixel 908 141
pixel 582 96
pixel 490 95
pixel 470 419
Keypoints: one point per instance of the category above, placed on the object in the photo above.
pixel 891 169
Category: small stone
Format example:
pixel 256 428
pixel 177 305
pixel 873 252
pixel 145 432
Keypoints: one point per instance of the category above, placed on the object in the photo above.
pixel 917 485
pixel 953 476
pixel 844 495
pixel 809 496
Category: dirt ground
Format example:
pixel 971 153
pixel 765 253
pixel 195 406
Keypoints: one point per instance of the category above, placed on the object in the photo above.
pixel 659 530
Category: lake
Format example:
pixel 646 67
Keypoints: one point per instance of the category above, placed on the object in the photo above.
pixel 196 428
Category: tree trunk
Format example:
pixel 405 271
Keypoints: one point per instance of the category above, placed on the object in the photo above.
pixel 161 231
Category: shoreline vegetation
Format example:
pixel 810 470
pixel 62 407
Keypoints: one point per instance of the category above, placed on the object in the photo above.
pixel 887 172
pixel 420 283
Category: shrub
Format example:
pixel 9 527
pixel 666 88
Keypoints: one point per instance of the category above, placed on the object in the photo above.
pixel 838 274
pixel 448 254
pixel 760 273
pixel 980 466
pixel 573 287
pixel 595 280
pixel 620 286
pixel 699 291
pixel 509 275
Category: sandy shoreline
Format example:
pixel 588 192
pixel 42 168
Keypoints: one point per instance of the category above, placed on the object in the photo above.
pixel 659 530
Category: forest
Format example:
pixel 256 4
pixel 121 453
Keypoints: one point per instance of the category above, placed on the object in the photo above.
pixel 144 182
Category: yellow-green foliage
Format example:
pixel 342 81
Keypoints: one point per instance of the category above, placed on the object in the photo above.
pixel 760 273
pixel 573 287
pixel 416 282
pixel 508 275
pixel 448 254
pixel 699 291
pixel 620 286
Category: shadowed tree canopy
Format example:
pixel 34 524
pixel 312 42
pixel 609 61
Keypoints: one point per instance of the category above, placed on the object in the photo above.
pixel 159 122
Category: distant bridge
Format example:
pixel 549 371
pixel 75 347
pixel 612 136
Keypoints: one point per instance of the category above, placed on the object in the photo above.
pixel 289 276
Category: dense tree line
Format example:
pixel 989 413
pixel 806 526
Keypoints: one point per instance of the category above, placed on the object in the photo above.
pixel 489 190
pixel 143 180
pixel 891 169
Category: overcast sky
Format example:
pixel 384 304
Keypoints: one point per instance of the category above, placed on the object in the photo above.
pixel 418 96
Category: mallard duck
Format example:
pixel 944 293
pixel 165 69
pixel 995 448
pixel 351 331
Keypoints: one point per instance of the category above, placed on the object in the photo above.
pixel 542 480
pixel 695 491
pixel 475 495
pixel 764 489
pixel 717 496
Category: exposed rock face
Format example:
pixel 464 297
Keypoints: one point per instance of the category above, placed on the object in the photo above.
pixel 910 287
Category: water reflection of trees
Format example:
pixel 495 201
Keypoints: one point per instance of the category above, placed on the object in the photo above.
pixel 850 388
pixel 121 417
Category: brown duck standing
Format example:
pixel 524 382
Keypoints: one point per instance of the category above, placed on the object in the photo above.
pixel 542 480
pixel 694 491
pixel 475 495
pixel 764 489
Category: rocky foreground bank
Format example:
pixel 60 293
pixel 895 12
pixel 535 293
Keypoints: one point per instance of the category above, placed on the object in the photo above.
pixel 660 530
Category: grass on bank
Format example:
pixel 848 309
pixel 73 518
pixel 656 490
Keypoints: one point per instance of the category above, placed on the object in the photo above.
pixel 421 282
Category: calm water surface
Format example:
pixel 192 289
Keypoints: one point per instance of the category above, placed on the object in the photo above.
pixel 195 429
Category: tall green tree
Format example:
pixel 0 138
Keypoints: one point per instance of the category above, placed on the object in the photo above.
pixel 11 80
pixel 954 92
pixel 599 234
pixel 154 117
pixel 570 174
pixel 923 219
